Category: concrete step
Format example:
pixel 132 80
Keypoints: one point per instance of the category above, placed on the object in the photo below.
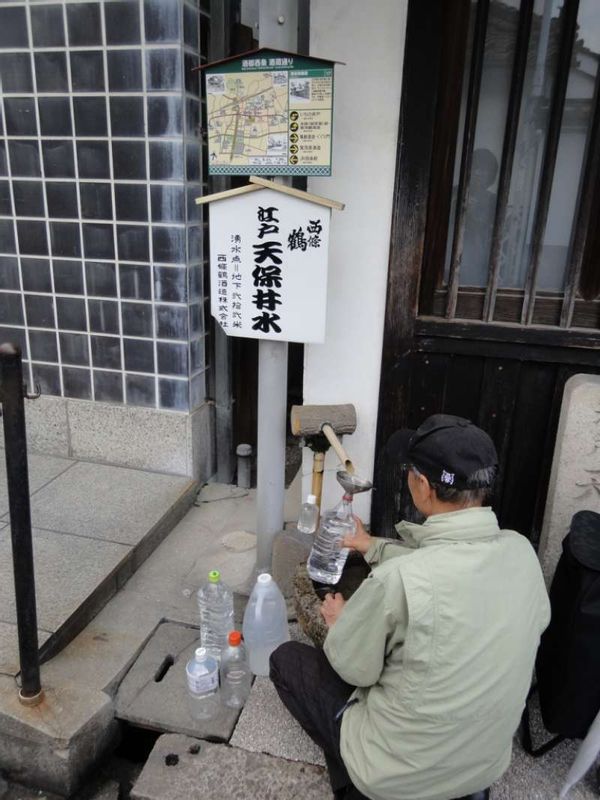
pixel 184 768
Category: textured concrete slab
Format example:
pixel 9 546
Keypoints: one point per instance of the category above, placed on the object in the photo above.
pixel 149 699
pixel 68 570
pixel 9 649
pixel 180 768
pixel 50 746
pixel 266 726
pixel 110 503
pixel 42 470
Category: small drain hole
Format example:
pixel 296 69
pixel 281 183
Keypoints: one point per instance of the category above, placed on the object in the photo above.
pixel 166 665
pixel 172 760
pixel 194 749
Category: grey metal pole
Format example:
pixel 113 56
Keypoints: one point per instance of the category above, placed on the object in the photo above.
pixel 278 28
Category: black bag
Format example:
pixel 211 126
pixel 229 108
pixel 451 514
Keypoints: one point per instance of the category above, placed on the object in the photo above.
pixel 568 659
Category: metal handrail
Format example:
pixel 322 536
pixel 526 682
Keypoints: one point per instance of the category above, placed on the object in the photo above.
pixel 12 395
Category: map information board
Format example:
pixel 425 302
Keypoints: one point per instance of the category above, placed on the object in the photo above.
pixel 270 113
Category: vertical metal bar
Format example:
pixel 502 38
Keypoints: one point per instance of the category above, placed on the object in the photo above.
pixel 508 153
pixel 569 28
pixel 15 443
pixel 590 177
pixel 467 153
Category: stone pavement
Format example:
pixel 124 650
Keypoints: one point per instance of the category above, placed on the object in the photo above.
pixel 93 525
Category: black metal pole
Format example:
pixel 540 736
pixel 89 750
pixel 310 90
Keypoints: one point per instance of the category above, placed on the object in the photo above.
pixel 15 443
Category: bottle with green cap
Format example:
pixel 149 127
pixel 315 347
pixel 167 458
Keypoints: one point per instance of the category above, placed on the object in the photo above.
pixel 215 603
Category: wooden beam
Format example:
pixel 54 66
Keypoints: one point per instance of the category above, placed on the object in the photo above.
pixel 313 198
pixel 209 198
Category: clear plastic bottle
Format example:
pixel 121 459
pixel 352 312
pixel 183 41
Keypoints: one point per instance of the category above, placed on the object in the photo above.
pixel 203 684
pixel 265 623
pixel 327 556
pixel 309 515
pixel 215 603
pixel 236 678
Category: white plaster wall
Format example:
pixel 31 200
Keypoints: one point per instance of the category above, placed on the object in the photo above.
pixel 369 38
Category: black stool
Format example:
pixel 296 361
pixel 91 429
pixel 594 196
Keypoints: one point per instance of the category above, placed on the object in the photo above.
pixel 484 795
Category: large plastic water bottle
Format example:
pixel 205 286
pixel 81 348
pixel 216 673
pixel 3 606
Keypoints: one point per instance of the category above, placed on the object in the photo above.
pixel 265 623
pixel 327 556
pixel 215 602
pixel 203 684
pixel 236 678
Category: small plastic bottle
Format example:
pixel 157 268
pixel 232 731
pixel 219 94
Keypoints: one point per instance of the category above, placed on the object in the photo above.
pixel 309 515
pixel 236 678
pixel 215 603
pixel 203 684
pixel 265 623
pixel 327 556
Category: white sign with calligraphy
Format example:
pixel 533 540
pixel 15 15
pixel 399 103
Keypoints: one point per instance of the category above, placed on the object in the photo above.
pixel 268 266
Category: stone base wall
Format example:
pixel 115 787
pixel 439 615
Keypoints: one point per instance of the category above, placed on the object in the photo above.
pixel 128 436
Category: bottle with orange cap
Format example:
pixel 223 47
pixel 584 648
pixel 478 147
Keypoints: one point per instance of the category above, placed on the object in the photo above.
pixel 236 677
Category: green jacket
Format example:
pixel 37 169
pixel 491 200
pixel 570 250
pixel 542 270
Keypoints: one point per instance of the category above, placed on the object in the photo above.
pixel 441 641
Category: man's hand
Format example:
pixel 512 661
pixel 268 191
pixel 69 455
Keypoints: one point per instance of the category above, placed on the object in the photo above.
pixel 361 541
pixel 332 607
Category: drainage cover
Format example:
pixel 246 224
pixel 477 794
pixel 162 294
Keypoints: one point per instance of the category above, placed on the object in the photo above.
pixel 153 694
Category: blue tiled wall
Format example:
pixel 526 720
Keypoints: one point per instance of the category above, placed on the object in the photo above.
pixel 101 244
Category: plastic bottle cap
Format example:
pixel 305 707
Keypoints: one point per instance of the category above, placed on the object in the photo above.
pixel 264 577
pixel 200 653
pixel 312 499
pixel 214 576
pixel 235 638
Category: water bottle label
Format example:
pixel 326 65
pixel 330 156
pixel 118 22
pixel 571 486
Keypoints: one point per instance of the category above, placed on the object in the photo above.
pixel 203 684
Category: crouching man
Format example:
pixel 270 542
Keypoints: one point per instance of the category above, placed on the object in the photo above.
pixel 425 669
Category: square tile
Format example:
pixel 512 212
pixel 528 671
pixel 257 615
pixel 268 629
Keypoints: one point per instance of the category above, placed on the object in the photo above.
pixel 98 240
pixel 127 116
pixel 39 310
pixel 47 26
pixel 51 72
pixel 29 198
pixel 166 161
pixel 171 322
pixel 140 391
pixel 139 355
pixel 87 71
pixel 15 72
pixel 43 346
pixel 77 383
pixel 165 117
pixel 92 159
pixel 172 358
pixel 33 240
pixel 7 236
pixel 96 201
pixel 170 284
pixel 35 273
pixel 62 200
pixel 131 202
pixel 24 159
pixel 106 352
pixel 65 238
pixel 129 160
pixel 122 22
pixel 71 314
pixel 90 116
pixel 84 24
pixel 168 203
pixel 20 116
pixel 48 378
pixel 9 273
pixel 135 281
pixel 168 244
pixel 163 70
pixel 173 395
pixel 136 319
pixel 58 158
pixel 14 335
pixel 11 312
pixel 132 242
pixel 108 387
pixel 101 279
pixel 104 316
pixel 125 71
pixel 74 349
pixel 162 21
pixel 55 118
pixel 13 28
pixel 68 277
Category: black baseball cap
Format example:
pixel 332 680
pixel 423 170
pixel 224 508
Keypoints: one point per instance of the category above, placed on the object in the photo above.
pixel 444 448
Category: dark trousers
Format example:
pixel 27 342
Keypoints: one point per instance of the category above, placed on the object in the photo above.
pixel 314 694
